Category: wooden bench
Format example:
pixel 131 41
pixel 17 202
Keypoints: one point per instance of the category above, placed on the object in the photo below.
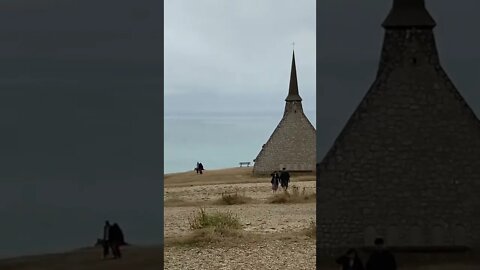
pixel 244 163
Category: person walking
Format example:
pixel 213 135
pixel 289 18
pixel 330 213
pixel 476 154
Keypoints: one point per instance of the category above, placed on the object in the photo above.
pixel 106 241
pixel 381 258
pixel 275 180
pixel 197 167
pixel 115 236
pixel 350 261
pixel 284 179
pixel 200 167
pixel 281 179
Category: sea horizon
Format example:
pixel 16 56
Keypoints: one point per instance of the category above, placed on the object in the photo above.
pixel 218 140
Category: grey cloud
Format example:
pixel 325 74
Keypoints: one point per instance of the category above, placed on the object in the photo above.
pixel 232 53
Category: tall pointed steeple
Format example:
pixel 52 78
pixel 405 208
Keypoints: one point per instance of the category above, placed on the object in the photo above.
pixel 293 88
pixel 292 143
pixel 409 13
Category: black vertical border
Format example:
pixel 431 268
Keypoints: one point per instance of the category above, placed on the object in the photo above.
pixel 162 129
pixel 317 85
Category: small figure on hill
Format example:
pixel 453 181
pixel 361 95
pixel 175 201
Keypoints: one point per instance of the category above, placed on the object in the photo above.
pixel 200 167
pixel 381 259
pixel 116 240
pixel 284 179
pixel 275 180
pixel 105 241
pixel 197 168
pixel 350 261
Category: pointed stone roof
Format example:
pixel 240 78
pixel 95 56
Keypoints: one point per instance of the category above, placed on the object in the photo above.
pixel 409 13
pixel 293 88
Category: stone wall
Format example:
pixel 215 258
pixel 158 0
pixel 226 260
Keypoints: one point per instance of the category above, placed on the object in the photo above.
pixel 407 164
pixel 292 144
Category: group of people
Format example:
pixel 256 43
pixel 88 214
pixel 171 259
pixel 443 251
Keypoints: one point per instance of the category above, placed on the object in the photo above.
pixel 282 178
pixel 112 240
pixel 380 259
pixel 199 168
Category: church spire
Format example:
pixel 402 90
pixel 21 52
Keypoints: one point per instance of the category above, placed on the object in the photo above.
pixel 293 89
pixel 409 13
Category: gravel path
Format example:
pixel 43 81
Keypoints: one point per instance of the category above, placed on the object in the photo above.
pixel 300 255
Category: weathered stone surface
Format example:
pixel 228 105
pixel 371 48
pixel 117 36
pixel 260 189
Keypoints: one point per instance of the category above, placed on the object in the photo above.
pixel 411 148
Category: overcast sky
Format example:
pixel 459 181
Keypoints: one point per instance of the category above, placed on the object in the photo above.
pixel 236 55
pixel 80 89
pixel 349 40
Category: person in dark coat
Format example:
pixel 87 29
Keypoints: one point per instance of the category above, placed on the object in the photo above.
pixel 281 180
pixel 381 259
pixel 200 167
pixel 105 240
pixel 197 167
pixel 350 261
pixel 115 237
pixel 275 180
pixel 284 179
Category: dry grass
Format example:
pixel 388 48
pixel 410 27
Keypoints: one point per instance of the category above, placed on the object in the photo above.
pixel 227 198
pixel 218 221
pixel 210 228
pixel 232 198
pixel 311 231
pixel 295 197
